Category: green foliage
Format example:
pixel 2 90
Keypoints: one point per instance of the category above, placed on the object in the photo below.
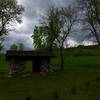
pixel 39 38
pixel 55 28
pixel 21 46
pixel 14 47
pixel 10 11
pixel 53 25
pixel 45 35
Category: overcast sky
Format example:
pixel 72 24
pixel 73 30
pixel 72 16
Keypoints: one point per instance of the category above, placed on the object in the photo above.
pixel 33 10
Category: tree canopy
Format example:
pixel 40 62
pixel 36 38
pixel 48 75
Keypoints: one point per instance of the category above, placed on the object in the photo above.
pixel 55 28
pixel 90 10
pixel 10 11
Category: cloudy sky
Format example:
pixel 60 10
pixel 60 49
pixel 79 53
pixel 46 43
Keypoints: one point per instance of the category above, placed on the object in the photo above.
pixel 33 10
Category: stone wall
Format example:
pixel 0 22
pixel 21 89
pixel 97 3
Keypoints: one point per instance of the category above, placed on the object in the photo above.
pixel 46 67
pixel 17 67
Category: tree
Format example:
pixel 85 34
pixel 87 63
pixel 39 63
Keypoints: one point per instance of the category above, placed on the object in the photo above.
pixel 1 44
pixel 14 47
pixel 43 37
pixel 67 20
pixel 39 38
pixel 91 16
pixel 21 46
pixel 10 11
pixel 57 25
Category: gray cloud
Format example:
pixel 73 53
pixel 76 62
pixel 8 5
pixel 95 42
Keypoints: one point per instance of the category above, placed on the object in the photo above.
pixel 33 10
pixel 14 38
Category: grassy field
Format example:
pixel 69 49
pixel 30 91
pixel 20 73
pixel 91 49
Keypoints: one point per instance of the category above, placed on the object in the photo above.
pixel 79 81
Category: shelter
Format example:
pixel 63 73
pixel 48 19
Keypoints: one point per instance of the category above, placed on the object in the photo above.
pixel 38 58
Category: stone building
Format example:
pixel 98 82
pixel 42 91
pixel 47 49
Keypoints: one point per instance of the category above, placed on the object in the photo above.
pixel 40 60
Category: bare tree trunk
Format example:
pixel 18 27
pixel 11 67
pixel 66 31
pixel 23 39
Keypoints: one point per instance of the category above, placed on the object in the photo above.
pixel 61 59
pixel 96 34
pixel 98 41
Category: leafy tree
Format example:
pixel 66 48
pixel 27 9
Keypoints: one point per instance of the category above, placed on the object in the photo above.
pixel 42 36
pixel 10 11
pixel 21 46
pixel 18 47
pixel 39 38
pixel 14 47
pixel 90 10
pixel 56 27
pixel 66 22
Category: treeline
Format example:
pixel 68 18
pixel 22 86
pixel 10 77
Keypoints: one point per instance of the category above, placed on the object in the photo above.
pixel 93 50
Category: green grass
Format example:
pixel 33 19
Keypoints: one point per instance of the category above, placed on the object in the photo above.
pixel 4 66
pixel 79 71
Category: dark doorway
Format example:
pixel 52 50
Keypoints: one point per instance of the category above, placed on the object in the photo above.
pixel 36 67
